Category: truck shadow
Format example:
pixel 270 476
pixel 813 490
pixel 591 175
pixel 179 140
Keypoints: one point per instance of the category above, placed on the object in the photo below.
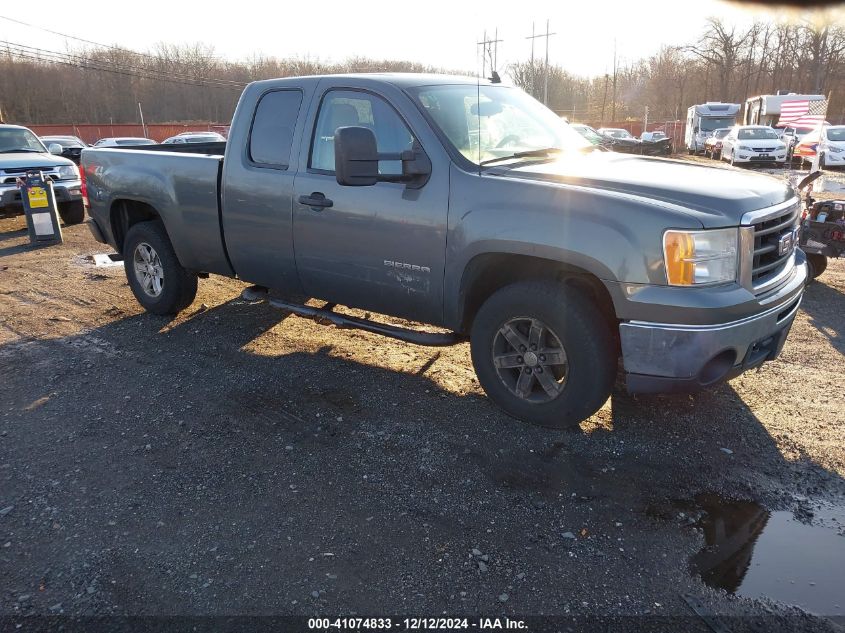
pixel 197 447
pixel 825 307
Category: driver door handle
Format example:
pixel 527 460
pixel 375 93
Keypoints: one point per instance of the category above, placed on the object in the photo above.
pixel 317 201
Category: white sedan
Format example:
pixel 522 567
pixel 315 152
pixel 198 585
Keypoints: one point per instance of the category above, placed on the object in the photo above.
pixel 753 144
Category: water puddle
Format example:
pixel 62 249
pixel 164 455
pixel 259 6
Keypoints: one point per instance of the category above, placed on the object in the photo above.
pixel 796 558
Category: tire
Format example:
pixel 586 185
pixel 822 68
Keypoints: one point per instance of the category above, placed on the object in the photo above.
pixel 822 164
pixel 568 392
pixel 160 283
pixel 816 265
pixel 72 212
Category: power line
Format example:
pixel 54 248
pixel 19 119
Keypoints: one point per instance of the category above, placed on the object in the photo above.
pixel 152 57
pixel 87 63
pixel 82 39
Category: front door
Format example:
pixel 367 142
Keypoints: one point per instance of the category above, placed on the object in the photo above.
pixel 381 247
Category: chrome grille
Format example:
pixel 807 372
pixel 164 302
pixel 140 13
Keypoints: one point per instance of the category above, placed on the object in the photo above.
pixel 23 170
pixel 767 263
pixel 11 180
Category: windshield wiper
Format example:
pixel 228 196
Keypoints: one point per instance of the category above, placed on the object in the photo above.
pixel 19 149
pixel 526 154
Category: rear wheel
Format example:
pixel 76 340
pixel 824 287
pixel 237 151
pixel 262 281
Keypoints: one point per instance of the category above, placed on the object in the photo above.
pixel 543 353
pixel 72 212
pixel 158 280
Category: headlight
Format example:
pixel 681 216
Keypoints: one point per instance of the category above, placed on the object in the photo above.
pixel 700 257
pixel 835 150
pixel 68 172
pixel 745 147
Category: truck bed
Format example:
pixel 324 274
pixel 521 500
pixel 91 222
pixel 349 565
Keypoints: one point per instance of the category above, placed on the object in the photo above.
pixel 182 187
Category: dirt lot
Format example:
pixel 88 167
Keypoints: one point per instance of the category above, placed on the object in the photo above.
pixel 237 461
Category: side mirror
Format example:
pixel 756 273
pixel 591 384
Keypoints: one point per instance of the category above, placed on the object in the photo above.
pixel 355 156
pixel 55 148
pixel 356 159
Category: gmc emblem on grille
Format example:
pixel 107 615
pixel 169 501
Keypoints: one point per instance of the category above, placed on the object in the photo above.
pixel 788 242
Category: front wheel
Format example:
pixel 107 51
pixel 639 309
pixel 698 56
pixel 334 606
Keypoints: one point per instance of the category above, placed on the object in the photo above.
pixel 543 353
pixel 72 212
pixel 158 280
pixel 816 265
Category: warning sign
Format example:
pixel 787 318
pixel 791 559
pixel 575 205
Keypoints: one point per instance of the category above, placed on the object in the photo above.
pixel 37 197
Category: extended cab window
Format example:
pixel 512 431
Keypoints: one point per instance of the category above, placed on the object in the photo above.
pixel 341 108
pixel 272 129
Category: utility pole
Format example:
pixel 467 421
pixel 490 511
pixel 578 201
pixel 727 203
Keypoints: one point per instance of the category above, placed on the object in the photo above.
pixel 533 71
pixel 491 48
pixel 141 112
pixel 613 102
pixel 604 99
pixel 546 35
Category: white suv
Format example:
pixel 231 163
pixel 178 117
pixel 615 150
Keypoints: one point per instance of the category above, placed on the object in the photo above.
pixel 753 144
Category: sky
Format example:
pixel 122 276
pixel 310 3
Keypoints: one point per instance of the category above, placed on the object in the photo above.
pixel 439 33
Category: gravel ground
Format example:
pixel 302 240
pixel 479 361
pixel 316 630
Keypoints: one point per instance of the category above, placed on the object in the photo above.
pixel 235 460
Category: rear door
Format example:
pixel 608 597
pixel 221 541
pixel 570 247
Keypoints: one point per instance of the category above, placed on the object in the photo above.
pixel 381 247
pixel 257 187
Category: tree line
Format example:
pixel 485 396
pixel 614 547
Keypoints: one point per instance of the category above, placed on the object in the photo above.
pixel 727 63
pixel 173 83
pixel 184 83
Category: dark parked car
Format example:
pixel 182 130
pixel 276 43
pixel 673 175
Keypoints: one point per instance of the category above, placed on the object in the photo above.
pixel 72 146
pixel 622 140
pixel 591 135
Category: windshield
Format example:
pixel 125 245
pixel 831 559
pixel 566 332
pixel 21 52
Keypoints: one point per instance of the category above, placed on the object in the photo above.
pixel 721 133
pixel 588 133
pixel 756 133
pixel 134 141
pixel 64 141
pixel 711 123
pixel 488 122
pixel 618 133
pixel 836 134
pixel 15 138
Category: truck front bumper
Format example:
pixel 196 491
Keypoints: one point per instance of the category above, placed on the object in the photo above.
pixel 662 358
pixel 64 190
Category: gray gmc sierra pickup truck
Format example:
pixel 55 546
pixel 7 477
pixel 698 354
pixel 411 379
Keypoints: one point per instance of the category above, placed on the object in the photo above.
pixel 467 205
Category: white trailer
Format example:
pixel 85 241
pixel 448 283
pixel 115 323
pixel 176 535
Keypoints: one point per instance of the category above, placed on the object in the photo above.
pixel 765 109
pixel 702 119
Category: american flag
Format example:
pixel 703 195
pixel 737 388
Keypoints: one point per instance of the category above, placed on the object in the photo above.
pixel 806 113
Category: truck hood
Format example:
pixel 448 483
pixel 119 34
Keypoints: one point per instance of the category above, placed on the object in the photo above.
pixel 714 196
pixel 34 161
